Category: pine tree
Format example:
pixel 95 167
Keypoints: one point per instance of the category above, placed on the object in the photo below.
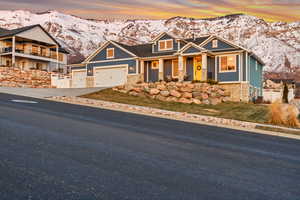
pixel 285 94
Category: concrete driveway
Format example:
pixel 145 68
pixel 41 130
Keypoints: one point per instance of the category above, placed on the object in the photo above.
pixel 48 92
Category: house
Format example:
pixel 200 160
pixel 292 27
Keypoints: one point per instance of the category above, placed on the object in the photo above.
pixel 170 58
pixel 31 47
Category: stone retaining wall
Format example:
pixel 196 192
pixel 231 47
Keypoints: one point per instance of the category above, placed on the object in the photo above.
pixel 14 77
pixel 198 93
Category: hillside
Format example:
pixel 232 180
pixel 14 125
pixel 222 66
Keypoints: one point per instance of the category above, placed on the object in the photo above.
pixel 276 43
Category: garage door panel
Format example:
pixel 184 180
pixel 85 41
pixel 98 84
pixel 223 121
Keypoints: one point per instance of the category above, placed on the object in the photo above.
pixel 109 77
pixel 79 79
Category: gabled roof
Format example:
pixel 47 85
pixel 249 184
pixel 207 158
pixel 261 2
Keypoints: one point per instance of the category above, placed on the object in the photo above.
pixel 198 40
pixel 161 35
pixel 7 33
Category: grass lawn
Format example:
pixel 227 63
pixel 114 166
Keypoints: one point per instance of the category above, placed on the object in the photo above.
pixel 231 110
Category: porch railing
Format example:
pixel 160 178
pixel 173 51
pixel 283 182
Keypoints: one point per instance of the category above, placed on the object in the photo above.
pixel 33 53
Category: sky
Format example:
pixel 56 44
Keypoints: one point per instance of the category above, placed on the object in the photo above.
pixel 270 10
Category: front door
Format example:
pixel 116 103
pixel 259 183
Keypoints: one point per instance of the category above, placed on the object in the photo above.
pixel 197 68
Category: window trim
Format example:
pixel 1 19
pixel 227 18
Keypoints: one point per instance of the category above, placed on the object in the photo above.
pixel 108 49
pixel 173 68
pixel 215 43
pixel 165 41
pixel 220 63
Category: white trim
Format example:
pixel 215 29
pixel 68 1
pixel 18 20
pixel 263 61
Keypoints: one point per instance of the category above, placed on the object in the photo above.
pixel 240 68
pixel 247 78
pixel 160 36
pixel 137 64
pixel 157 57
pixel 103 61
pixel 109 49
pixel 215 43
pixel 223 40
pixel 231 82
pixel 220 68
pixel 191 44
pixel 227 52
pixel 216 67
pixel 165 41
pixel 102 47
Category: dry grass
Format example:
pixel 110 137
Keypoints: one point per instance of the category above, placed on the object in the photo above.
pixel 283 114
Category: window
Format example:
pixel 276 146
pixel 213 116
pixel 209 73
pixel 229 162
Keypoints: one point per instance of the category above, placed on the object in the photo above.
pixel 35 50
pixel 154 65
pixel 215 44
pixel 228 63
pixel 165 45
pixel 175 71
pixel 110 53
pixel 60 57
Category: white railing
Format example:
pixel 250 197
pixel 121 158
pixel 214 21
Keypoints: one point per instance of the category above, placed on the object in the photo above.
pixel 60 81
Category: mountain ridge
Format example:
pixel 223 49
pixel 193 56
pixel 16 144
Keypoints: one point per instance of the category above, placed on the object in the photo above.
pixel 274 43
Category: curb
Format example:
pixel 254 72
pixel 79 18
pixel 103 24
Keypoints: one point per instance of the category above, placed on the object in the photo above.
pixel 192 118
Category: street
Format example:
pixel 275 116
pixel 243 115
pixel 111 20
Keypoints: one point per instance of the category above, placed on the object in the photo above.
pixel 51 150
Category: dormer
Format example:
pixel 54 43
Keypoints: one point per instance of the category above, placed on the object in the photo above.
pixel 163 43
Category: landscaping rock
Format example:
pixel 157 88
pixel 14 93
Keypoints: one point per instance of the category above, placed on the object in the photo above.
pixel 165 93
pixel 215 101
pixel 154 91
pixel 133 93
pixel 196 101
pixel 184 100
pixel 175 93
pixel 187 95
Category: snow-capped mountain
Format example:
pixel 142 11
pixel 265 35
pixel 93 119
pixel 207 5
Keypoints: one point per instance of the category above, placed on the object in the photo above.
pixel 276 43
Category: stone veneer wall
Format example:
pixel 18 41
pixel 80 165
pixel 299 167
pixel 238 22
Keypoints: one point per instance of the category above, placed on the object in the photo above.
pixel 238 91
pixel 15 77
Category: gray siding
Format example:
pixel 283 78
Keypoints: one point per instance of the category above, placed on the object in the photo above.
pixel 228 76
pixel 119 54
pixel 131 65
pixel 192 50
pixel 221 45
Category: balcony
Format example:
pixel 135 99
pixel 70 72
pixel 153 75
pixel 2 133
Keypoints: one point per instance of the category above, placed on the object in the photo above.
pixel 29 52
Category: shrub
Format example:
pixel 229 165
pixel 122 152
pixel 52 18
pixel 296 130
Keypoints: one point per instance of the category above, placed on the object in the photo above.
pixel 284 114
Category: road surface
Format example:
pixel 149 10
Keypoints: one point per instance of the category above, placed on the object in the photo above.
pixel 51 150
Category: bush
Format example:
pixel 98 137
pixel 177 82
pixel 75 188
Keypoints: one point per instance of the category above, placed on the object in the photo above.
pixel 284 114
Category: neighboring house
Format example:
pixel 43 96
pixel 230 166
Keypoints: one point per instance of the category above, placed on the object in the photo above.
pixel 31 47
pixel 170 58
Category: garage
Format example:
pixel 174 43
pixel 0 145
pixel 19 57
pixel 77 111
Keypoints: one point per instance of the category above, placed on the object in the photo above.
pixel 78 78
pixel 110 76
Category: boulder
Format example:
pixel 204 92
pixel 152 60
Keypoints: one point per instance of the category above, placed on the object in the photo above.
pixel 206 101
pixel 136 89
pixel 185 100
pixel 171 99
pixel 185 89
pixel 161 87
pixel 133 93
pixel 204 96
pixel 161 98
pixel 175 93
pixel 215 101
pixel 196 94
pixel 187 95
pixel 154 91
pixel 196 101
pixel 165 93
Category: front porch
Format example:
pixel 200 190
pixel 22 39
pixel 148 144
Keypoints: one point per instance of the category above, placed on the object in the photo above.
pixel 192 67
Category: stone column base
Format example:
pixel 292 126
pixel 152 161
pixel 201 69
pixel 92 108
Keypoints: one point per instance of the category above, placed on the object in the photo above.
pixel 89 81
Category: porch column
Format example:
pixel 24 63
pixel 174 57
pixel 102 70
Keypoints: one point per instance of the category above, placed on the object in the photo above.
pixel 161 69
pixel 204 67
pixel 181 68
pixel 13 61
pixel 142 70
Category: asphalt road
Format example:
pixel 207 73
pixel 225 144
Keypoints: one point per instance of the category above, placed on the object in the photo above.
pixel 51 150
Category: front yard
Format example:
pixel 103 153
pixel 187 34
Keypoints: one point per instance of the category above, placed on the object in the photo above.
pixel 229 110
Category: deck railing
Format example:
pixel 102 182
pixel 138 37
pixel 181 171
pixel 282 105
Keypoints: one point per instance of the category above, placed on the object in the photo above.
pixel 33 53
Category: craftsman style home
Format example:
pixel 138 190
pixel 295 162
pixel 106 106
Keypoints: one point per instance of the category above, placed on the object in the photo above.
pixel 169 58
pixel 31 47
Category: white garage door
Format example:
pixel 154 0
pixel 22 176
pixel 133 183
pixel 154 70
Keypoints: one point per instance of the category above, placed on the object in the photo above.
pixel 109 77
pixel 79 79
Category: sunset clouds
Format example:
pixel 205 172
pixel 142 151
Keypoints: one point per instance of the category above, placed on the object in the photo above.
pixel 270 10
